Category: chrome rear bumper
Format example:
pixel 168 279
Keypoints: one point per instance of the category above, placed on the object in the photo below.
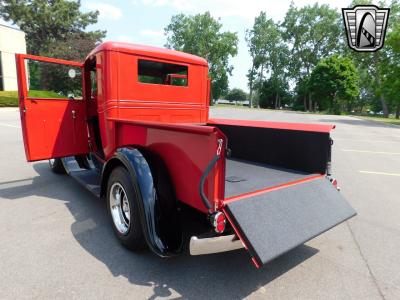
pixel 214 245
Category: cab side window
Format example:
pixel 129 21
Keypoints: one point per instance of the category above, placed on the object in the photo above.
pixel 53 81
pixel 156 72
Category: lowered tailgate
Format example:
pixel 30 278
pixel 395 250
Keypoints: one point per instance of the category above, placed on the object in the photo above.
pixel 276 220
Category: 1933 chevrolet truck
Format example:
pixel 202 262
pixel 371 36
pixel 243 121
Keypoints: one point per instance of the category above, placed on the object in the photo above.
pixel 131 124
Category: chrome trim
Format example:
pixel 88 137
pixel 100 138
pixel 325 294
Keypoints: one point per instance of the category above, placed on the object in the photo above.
pixel 214 245
pixel 120 208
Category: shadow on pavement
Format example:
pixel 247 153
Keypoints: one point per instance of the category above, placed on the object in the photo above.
pixel 229 275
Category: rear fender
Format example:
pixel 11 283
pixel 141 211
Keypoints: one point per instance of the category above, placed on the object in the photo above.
pixel 142 176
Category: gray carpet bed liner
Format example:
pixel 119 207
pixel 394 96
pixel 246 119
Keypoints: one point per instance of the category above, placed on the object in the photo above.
pixel 277 221
pixel 245 176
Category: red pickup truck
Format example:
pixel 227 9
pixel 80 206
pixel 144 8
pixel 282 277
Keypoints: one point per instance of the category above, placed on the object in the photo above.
pixel 131 124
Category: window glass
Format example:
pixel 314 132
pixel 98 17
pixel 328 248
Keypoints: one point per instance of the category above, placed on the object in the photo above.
pixel 93 84
pixel 48 80
pixel 162 73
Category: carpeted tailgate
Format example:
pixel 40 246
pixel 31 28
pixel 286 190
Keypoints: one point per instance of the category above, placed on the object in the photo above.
pixel 277 221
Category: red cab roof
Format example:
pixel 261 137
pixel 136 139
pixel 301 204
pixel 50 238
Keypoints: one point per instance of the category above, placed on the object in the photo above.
pixel 154 52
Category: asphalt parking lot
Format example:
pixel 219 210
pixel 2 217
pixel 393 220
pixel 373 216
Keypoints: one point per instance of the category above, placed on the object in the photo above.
pixel 56 240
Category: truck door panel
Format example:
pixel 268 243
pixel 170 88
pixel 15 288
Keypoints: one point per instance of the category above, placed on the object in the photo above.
pixel 52 109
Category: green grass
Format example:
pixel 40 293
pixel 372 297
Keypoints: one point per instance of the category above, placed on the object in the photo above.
pixel 10 98
pixel 231 106
pixel 390 120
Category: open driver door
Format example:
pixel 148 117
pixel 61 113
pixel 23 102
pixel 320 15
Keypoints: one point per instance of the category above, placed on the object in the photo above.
pixel 52 107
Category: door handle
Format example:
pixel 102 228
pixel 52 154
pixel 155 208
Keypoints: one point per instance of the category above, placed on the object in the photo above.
pixel 73 114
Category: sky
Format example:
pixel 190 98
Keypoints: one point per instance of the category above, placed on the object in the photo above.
pixel 143 21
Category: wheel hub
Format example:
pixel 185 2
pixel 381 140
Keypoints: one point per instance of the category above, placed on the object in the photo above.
pixel 120 208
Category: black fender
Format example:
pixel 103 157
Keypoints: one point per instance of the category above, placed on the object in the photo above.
pixel 141 173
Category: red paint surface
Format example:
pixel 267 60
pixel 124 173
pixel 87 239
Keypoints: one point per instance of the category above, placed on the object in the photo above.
pixel 275 125
pixel 160 118
pixel 158 102
pixel 186 151
pixel 51 127
pixel 273 188
pixel 148 51
pixel 163 119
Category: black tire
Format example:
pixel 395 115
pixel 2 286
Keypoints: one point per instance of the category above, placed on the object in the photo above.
pixel 168 221
pixel 133 238
pixel 57 166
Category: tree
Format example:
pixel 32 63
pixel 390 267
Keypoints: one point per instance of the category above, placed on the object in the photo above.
pixel 313 32
pixel 202 35
pixel 334 82
pixel 375 67
pixel 268 53
pixel 391 78
pixel 53 28
pixel 236 95
pixel 76 48
pixel 271 93
pixel 48 22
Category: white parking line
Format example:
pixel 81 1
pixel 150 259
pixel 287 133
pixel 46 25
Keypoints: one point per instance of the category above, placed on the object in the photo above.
pixel 9 125
pixel 374 152
pixel 380 173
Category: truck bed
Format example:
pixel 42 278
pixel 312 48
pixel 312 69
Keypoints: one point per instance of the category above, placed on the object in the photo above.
pixel 245 176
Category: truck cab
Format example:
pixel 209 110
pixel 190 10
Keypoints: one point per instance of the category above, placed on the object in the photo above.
pixel 131 124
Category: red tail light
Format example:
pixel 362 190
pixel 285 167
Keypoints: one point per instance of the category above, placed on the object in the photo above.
pixel 334 182
pixel 219 221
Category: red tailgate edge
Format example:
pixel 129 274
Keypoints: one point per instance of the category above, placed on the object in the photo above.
pixel 275 125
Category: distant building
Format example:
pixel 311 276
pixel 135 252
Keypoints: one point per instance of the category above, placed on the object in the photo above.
pixel 12 41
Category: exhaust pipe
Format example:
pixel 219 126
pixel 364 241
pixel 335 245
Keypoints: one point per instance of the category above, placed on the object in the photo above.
pixel 214 245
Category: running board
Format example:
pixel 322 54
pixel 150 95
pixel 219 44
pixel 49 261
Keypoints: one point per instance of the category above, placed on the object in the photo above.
pixel 278 220
pixel 90 179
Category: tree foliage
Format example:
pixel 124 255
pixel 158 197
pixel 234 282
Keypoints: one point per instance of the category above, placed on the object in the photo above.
pixel 374 67
pixel 54 28
pixel 334 82
pixel 268 53
pixel 313 32
pixel 292 62
pixel 272 92
pixel 236 95
pixel 391 78
pixel 302 62
pixel 48 22
pixel 202 35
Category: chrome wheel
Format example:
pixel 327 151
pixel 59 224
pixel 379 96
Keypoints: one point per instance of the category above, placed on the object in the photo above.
pixel 120 208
